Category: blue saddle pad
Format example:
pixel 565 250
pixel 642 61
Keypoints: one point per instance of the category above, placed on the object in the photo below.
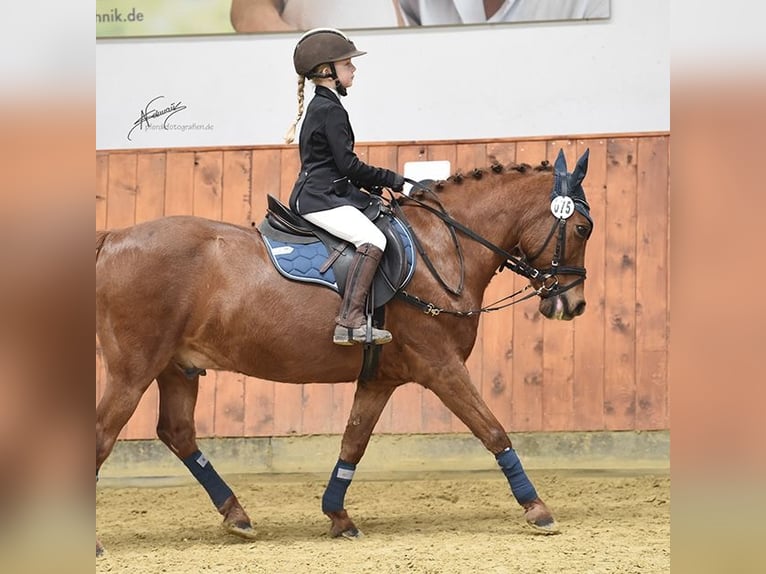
pixel 303 261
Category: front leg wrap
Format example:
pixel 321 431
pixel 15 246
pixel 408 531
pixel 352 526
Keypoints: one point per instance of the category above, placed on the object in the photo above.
pixel 335 493
pixel 521 486
pixel 206 475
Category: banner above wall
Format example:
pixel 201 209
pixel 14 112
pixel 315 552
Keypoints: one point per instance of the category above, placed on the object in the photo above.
pixel 136 18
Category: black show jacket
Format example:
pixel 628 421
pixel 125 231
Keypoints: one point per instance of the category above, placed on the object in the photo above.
pixel 331 173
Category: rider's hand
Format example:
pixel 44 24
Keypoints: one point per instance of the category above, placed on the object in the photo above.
pixel 398 182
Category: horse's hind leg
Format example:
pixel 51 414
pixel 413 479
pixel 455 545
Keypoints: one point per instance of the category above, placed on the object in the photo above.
pixel 369 401
pixel 452 384
pixel 116 406
pixel 175 428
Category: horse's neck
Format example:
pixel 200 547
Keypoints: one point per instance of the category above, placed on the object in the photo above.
pixel 497 208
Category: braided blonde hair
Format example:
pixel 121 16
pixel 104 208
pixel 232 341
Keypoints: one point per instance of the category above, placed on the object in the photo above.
pixel 290 135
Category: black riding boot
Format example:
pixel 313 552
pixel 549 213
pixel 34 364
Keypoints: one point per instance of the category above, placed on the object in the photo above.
pixel 351 322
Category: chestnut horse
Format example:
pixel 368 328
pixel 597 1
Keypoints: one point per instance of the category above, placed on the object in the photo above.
pixel 181 294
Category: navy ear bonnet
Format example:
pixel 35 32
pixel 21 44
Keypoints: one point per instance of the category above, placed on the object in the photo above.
pixel 570 184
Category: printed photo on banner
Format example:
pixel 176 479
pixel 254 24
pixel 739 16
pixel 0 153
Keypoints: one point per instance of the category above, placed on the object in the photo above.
pixel 135 18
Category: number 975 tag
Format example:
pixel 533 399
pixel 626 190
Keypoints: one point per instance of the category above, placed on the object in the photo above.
pixel 562 207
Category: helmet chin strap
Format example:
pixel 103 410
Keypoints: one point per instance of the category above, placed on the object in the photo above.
pixel 338 86
pixel 332 75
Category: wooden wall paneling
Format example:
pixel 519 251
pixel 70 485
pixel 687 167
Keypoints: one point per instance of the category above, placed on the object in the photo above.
pixel 224 182
pixel 443 152
pixel 236 192
pixel 616 377
pixel 150 194
pixel 652 260
pixel 121 191
pixel 492 359
pixel 288 398
pixel 318 408
pixel 436 417
pixel 407 401
pixel 208 179
pixel 150 188
pixel 380 156
pixel 267 180
pixel 465 158
pixel 528 334
pixel 362 152
pixel 179 183
pixel 588 383
pixel 410 152
pixel 558 341
pixel 383 156
pixel 238 197
pixel 312 403
pixel 503 152
pixel 121 212
pixel 341 396
pixel 289 167
pixel 207 168
pixel 620 294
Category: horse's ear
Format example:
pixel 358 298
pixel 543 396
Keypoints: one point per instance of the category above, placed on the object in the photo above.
pixel 581 168
pixel 560 165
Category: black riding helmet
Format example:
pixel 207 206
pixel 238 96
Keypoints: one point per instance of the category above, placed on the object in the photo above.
pixel 323 46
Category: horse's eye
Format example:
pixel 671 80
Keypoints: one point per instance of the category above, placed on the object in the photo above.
pixel 583 231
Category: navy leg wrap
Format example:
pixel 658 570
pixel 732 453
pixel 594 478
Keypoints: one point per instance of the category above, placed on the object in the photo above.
pixel 521 487
pixel 335 493
pixel 206 475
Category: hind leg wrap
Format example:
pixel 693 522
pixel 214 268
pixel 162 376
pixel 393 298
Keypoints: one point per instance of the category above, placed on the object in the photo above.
pixel 335 493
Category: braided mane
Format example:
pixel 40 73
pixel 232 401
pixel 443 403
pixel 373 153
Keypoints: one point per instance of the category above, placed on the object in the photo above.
pixel 495 168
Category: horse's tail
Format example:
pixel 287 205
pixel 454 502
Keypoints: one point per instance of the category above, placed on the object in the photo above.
pixel 100 238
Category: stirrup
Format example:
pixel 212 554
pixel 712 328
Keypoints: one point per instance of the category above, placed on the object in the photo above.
pixel 348 336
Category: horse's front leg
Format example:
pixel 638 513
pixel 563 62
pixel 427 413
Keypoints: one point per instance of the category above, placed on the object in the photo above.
pixel 369 401
pixel 452 384
pixel 175 428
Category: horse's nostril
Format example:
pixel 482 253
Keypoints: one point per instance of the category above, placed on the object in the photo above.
pixel 579 308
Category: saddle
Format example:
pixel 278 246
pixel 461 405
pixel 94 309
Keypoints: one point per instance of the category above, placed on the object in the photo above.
pixel 301 251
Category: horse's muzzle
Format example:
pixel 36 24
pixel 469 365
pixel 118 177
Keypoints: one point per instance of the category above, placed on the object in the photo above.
pixel 562 307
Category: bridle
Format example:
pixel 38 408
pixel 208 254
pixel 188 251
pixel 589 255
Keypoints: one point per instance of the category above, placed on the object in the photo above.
pixel 561 189
pixel 547 277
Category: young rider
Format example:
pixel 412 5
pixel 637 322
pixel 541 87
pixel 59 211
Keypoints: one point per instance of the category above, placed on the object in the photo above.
pixel 327 192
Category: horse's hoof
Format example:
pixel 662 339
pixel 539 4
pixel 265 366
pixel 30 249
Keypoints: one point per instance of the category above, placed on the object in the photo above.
pixel 241 529
pixel 350 534
pixel 343 527
pixel 539 517
pixel 235 519
pixel 99 549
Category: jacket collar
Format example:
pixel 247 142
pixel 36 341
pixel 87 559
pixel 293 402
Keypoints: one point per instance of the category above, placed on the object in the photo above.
pixel 326 93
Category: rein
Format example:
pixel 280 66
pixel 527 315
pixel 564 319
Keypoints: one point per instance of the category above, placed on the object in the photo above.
pixel 548 277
